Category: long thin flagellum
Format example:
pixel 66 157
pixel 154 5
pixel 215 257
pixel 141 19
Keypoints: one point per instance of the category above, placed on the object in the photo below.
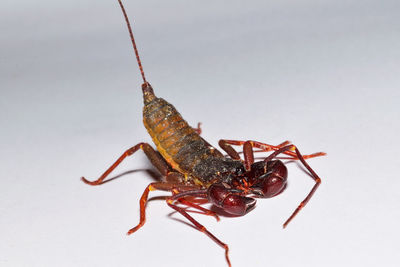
pixel 133 41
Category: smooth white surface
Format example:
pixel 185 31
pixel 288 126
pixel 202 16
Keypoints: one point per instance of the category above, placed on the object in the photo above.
pixel 322 74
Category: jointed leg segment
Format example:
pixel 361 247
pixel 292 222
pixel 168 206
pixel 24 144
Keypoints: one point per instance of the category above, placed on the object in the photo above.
pixel 153 156
pixel 175 189
pixel 200 227
pixel 180 197
pixel 313 175
pixel 144 199
pixel 226 145
pixel 202 210
pixel 311 193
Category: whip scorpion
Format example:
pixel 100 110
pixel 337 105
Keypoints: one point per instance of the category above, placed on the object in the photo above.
pixel 195 172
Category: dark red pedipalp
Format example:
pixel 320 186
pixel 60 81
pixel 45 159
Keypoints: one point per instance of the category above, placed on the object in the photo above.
pixel 263 180
pixel 272 182
pixel 230 200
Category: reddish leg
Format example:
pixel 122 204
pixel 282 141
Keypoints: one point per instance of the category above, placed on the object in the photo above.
pixel 179 196
pixel 226 146
pixel 262 146
pixel 203 211
pixel 284 143
pixel 280 145
pixel 290 153
pixel 247 150
pixel 144 199
pixel 198 129
pixel 178 178
pixel 313 175
pixel 198 226
pixel 308 197
pixel 267 148
pixel 153 156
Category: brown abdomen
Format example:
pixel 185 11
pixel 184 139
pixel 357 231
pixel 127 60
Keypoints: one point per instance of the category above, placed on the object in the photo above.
pixel 177 142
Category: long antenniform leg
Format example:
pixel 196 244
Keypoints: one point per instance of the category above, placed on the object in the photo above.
pixel 313 175
pixel 226 146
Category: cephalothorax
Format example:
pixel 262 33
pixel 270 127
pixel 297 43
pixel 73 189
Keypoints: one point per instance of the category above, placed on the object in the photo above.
pixel 194 171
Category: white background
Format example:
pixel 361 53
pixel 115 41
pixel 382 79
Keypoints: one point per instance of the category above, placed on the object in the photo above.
pixel 323 74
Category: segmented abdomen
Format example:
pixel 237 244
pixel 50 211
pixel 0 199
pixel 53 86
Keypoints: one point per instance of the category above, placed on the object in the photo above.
pixel 178 143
